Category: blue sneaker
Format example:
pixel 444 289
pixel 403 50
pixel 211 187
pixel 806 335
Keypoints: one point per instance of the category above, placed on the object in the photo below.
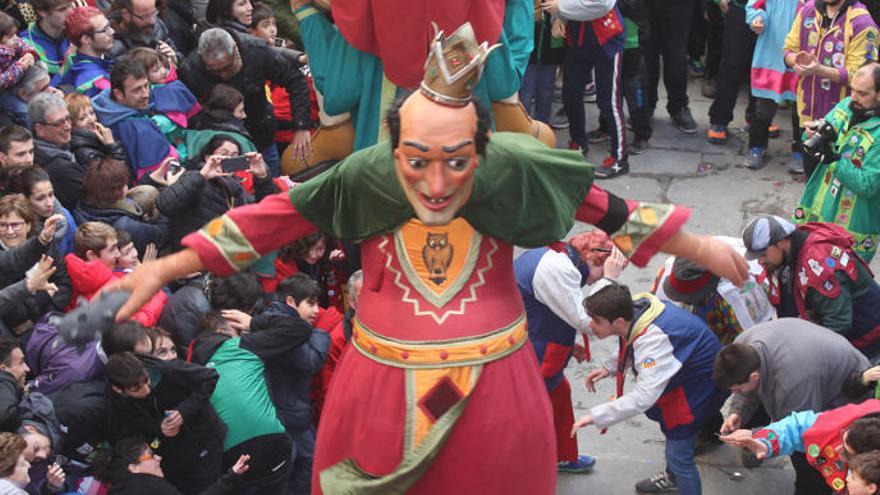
pixel 796 165
pixel 696 67
pixel 755 158
pixel 583 464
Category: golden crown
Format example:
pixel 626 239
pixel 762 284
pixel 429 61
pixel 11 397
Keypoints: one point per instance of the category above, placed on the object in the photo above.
pixel 454 66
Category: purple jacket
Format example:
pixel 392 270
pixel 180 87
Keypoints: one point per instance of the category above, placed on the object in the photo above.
pixel 55 364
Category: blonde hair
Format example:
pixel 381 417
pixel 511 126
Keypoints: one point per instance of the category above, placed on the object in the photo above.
pixel 92 236
pixel 77 103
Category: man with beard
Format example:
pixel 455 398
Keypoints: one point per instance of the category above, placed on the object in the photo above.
pixel 138 24
pixel 847 191
pixel 829 40
pixel 814 273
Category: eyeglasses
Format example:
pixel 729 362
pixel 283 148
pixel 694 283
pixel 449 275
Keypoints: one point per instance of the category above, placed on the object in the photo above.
pixel 222 71
pixel 104 30
pixel 65 120
pixel 16 226
pixel 151 15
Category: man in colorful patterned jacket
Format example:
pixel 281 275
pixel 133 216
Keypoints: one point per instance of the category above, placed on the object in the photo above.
pixel 814 273
pixel 828 42
pixel 440 372
pixel 845 189
pixel 89 69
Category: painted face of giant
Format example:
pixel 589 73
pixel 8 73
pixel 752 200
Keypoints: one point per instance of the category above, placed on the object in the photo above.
pixel 436 157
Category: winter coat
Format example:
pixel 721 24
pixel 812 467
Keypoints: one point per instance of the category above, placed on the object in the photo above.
pixel 54 364
pixel 147 484
pixel 180 20
pixel 32 307
pixel 128 216
pixel 261 63
pixel 290 374
pixel 87 74
pixel 184 311
pixel 122 43
pixel 192 201
pixel 87 148
pixel 194 455
pixel 81 408
pixel 10 396
pixel 52 50
pixel 88 277
pixel 66 173
pixel 15 262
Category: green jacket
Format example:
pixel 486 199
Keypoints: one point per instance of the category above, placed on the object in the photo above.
pixel 847 191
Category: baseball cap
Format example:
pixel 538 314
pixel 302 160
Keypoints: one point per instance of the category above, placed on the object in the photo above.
pixel 763 232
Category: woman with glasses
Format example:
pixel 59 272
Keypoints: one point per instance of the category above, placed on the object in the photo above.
pixel 132 468
pixel 18 223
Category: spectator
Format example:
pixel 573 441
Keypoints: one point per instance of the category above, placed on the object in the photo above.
pixel 765 367
pixel 169 400
pixel 13 372
pixel 340 335
pixel 128 253
pixel 47 34
pixel 133 468
pixel 90 141
pixel 15 55
pixel 830 440
pixel 88 70
pixel 51 125
pixel 290 374
pixel 772 82
pixel 92 265
pixel 13 466
pixel 126 109
pixel 313 256
pixel 55 364
pixel 36 280
pixel 16 146
pixel 104 190
pixel 163 345
pixel 34 184
pixel 14 102
pixel 848 38
pixel 138 25
pixel 846 188
pixel 670 351
pixel 198 196
pixel 233 14
pixel 128 336
pixel 180 19
pixel 864 474
pixel 815 273
pixel 540 78
pixel 222 112
pixel 246 63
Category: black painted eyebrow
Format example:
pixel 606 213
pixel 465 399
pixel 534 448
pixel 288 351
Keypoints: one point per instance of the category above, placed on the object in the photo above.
pixel 456 147
pixel 419 146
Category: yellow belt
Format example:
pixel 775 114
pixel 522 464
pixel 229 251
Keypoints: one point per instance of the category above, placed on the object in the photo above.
pixel 440 354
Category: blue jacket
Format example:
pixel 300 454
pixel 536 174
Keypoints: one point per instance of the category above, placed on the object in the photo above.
pixel 548 307
pixel 145 143
pixel 290 374
pixel 88 75
pixel 52 51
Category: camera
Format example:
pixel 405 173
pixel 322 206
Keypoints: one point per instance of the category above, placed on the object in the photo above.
pixel 820 144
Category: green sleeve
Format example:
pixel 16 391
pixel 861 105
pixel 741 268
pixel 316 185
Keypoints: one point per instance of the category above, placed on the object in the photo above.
pixel 863 180
pixel 835 313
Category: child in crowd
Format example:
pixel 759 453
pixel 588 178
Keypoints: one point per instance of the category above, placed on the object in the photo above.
pixel 864 474
pixel 16 56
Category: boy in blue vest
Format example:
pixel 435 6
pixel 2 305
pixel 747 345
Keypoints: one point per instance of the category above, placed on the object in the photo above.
pixel 671 353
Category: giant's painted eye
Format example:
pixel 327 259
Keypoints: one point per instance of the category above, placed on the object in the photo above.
pixel 417 163
pixel 458 164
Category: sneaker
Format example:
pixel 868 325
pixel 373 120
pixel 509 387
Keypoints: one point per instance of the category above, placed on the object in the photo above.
pixel 638 146
pixel 755 158
pixel 773 131
pixel 707 89
pixel 717 134
pixel 696 67
pixel 659 483
pixel 598 136
pixel 612 168
pixel 583 150
pixel 583 464
pixel 559 120
pixel 685 121
pixel 796 165
pixel 590 93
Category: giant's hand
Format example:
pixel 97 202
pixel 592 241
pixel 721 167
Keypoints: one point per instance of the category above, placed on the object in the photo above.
pixel 149 278
pixel 712 254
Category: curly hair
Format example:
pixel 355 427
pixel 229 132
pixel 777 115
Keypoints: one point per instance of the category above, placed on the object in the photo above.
pixel 11 446
pixel 79 22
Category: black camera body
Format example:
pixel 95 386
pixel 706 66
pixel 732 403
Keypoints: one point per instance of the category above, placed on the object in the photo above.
pixel 821 144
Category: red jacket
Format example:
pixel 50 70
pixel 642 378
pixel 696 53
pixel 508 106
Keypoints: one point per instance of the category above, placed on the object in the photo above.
pixel 88 277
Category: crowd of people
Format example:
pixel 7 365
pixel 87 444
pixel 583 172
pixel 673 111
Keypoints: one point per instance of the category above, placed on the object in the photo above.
pixel 128 125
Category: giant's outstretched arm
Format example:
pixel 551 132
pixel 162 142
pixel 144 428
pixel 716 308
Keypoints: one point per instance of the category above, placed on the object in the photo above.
pixel 225 245
pixel 640 229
